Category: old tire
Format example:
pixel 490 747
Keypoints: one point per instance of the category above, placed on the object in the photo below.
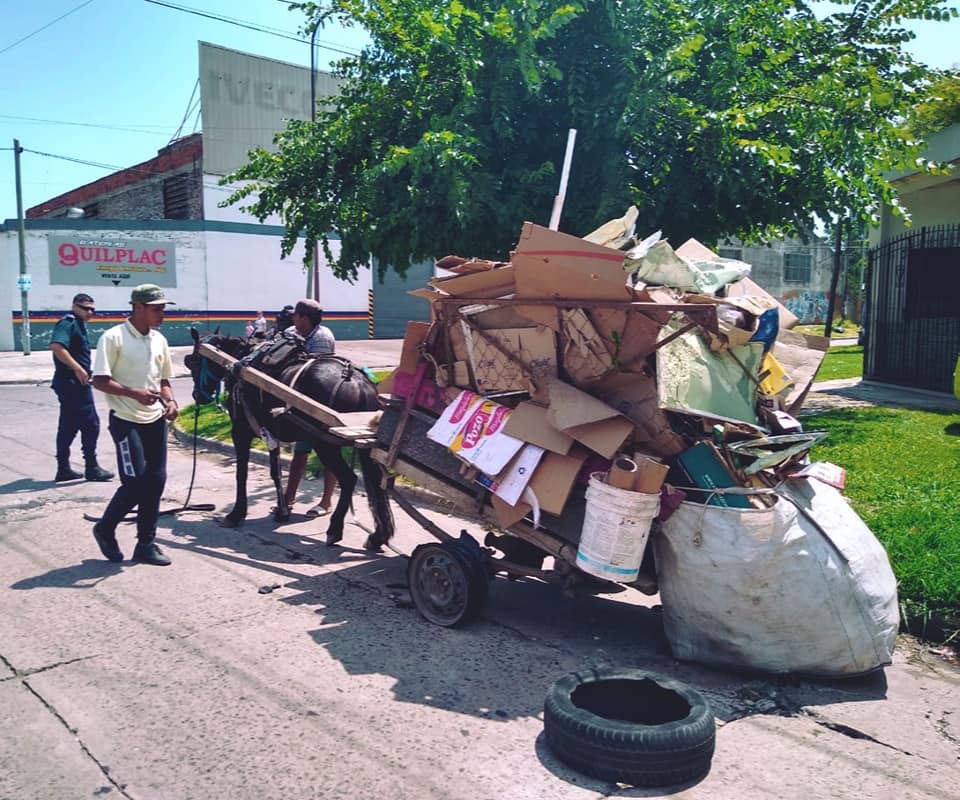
pixel 630 726
pixel 447 585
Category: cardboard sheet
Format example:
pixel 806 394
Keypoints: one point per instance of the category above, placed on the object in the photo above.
pixel 529 422
pixel 551 483
pixel 481 440
pixel 533 348
pixel 485 284
pixel 800 355
pixel 511 482
pixel 749 288
pixel 585 418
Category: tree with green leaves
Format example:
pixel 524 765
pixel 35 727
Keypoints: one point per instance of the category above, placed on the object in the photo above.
pixel 713 117
pixel 941 109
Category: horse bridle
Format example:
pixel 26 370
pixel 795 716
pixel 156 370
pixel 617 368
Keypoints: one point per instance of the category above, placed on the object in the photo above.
pixel 200 395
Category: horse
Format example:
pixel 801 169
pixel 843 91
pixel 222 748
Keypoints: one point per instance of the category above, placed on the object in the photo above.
pixel 330 380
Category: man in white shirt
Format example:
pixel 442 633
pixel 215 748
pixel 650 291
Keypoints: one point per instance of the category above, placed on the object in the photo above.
pixel 132 367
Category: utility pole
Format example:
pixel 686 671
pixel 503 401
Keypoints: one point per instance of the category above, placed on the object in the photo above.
pixel 313 118
pixel 23 282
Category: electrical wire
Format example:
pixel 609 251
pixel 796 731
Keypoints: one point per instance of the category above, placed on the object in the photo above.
pixel 186 113
pixel 140 129
pixel 44 27
pixel 250 26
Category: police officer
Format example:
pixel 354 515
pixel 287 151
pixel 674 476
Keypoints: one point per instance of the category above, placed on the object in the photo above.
pixel 71 382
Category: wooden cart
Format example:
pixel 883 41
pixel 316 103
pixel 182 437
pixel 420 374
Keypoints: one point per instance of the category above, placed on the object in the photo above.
pixel 449 578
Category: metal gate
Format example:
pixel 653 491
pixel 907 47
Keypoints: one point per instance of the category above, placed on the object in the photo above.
pixel 913 309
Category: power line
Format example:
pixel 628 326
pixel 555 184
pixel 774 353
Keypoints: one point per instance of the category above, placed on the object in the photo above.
pixel 140 129
pixel 187 112
pixel 250 26
pixel 113 167
pixel 44 27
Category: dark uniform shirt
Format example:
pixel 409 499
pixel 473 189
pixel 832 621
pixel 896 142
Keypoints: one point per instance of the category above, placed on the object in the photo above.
pixel 72 334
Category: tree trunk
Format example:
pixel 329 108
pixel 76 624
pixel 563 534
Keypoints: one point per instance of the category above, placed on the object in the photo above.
pixel 834 278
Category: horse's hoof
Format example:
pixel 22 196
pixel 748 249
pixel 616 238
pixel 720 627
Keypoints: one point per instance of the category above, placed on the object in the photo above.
pixel 373 544
pixel 230 522
pixel 333 538
pixel 281 517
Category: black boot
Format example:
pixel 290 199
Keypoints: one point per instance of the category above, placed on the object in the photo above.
pixel 149 553
pixel 66 473
pixel 94 472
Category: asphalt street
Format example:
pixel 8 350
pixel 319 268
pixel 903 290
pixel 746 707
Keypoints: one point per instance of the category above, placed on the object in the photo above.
pixel 263 664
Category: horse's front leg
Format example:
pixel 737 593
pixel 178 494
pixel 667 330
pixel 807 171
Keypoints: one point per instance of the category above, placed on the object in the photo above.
pixel 282 513
pixel 331 457
pixel 242 439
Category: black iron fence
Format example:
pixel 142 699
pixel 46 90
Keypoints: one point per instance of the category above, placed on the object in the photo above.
pixel 913 309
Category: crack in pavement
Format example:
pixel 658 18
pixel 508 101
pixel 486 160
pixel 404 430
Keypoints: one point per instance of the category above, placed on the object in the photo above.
pixel 21 675
pixel 104 768
pixel 847 730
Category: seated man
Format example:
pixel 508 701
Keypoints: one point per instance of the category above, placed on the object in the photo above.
pixel 319 340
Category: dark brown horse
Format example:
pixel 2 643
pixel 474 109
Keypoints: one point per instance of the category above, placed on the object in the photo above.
pixel 329 380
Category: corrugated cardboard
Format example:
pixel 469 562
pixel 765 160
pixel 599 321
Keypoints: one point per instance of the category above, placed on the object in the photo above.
pixel 493 371
pixel 552 482
pixel 635 396
pixel 585 418
pixel 529 422
pixel 628 334
pixel 695 250
pixel 564 250
pixel 569 279
pixel 801 356
pixel 414 336
pixel 747 287
pixel 486 284
pixel 585 358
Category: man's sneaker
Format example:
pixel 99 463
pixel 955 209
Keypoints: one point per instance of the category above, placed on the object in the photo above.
pixel 67 474
pixel 97 473
pixel 108 544
pixel 150 554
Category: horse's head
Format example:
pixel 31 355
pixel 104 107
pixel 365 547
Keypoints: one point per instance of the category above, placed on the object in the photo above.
pixel 207 374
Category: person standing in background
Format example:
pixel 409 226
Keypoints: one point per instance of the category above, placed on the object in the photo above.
pixel 260 325
pixel 133 368
pixel 318 340
pixel 71 381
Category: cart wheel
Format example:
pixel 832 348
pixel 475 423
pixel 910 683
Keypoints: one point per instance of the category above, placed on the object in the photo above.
pixel 445 585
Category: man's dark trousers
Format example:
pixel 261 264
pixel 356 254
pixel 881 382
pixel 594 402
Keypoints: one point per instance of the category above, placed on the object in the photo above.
pixel 142 464
pixel 77 413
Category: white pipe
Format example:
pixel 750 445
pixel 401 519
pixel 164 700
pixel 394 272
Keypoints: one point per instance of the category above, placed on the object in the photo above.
pixel 564 175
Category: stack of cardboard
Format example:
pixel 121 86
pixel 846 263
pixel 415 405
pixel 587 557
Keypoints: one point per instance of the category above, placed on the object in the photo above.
pixel 549 366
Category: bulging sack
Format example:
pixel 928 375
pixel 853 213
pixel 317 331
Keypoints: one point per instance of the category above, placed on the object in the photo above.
pixel 803 586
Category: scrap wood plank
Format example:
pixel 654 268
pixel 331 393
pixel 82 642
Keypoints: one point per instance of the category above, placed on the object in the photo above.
pixel 317 411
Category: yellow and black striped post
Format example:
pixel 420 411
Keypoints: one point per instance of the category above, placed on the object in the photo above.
pixel 370 314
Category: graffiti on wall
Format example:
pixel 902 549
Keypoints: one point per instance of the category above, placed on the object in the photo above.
pixel 809 307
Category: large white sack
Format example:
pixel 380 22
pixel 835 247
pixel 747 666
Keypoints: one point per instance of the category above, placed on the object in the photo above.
pixel 777 589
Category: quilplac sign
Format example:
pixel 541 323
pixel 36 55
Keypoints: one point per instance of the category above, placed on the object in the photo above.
pixel 107 260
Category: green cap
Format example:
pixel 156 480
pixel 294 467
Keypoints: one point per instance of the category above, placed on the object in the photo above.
pixel 149 294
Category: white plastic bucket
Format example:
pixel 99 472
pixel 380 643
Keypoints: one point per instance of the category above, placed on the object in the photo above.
pixel 615 530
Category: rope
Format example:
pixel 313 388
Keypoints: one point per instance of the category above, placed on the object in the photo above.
pixel 193 474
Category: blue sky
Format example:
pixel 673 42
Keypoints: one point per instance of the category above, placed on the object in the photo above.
pixel 110 81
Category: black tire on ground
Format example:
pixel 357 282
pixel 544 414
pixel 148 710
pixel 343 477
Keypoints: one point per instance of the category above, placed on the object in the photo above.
pixel 447 586
pixel 630 726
